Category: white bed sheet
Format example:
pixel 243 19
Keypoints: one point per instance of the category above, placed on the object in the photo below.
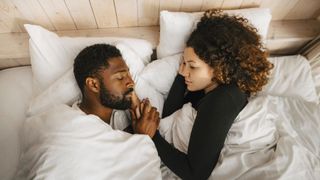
pixel 315 69
pixel 15 95
pixel 272 138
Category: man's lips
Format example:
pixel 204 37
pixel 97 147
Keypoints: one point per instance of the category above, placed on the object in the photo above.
pixel 129 94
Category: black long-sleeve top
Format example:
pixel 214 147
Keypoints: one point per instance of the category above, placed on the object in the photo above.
pixel 216 112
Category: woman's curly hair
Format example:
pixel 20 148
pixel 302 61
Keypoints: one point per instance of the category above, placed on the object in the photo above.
pixel 232 47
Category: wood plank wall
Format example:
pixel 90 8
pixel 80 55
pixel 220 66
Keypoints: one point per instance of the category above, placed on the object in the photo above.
pixel 60 15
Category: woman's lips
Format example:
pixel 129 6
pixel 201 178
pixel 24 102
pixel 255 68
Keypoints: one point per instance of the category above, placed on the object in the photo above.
pixel 187 82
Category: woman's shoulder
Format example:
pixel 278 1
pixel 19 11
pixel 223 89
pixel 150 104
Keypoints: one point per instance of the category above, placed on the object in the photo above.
pixel 227 90
pixel 231 89
pixel 225 94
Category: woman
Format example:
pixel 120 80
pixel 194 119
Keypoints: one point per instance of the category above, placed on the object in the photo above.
pixel 223 64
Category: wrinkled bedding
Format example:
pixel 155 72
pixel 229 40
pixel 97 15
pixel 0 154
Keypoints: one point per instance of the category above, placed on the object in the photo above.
pixel 272 138
pixel 65 143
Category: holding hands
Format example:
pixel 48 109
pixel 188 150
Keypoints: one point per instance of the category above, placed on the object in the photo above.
pixel 145 118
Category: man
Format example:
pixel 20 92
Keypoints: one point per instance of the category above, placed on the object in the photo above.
pixel 105 83
pixel 82 141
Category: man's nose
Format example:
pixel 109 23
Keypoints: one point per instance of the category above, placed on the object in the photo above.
pixel 129 82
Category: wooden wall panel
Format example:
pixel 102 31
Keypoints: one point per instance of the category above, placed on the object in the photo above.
pixel 82 14
pixel 58 14
pixel 283 38
pixel 304 9
pixel 93 14
pixel 170 5
pixel 105 13
pixel 148 12
pixel 231 4
pixel 209 4
pixel 191 5
pixel 279 9
pixel 127 12
pixel 9 17
pixel 33 13
pixel 16 46
pixel 250 3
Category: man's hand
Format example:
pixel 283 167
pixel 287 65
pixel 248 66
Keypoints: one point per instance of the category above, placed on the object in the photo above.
pixel 149 120
pixel 135 104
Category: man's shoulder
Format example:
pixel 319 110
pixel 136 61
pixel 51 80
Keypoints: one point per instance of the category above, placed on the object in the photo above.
pixel 61 110
pixel 57 114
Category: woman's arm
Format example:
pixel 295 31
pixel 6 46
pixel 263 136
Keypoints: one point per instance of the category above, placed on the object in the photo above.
pixel 175 99
pixel 216 113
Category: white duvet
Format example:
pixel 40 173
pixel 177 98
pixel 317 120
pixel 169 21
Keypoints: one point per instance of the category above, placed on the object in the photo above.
pixel 276 136
pixel 272 138
pixel 65 143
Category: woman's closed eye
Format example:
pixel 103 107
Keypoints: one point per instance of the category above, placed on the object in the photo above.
pixel 191 66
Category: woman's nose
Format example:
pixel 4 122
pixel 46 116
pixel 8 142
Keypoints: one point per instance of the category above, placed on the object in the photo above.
pixel 184 71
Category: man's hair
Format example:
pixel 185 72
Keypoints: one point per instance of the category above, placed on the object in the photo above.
pixel 91 60
pixel 232 47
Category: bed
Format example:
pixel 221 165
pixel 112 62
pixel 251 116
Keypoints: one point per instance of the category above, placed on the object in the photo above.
pixel 275 137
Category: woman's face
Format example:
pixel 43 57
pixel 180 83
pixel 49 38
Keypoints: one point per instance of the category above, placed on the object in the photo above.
pixel 197 74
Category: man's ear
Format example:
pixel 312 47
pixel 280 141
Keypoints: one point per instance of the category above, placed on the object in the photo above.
pixel 93 84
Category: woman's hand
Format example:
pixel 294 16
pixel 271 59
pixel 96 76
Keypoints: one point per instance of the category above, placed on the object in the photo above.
pixel 148 121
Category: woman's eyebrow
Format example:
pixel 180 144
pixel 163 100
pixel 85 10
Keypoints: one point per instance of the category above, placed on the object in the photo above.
pixel 189 61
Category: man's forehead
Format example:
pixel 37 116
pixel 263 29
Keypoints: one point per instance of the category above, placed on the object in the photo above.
pixel 117 64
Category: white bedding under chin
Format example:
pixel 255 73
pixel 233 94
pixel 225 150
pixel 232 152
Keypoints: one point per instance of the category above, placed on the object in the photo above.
pixel 65 143
pixel 272 138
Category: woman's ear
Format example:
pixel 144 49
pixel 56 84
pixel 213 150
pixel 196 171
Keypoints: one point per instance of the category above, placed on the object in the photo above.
pixel 93 84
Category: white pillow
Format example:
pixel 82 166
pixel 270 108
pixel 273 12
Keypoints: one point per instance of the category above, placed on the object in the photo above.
pixel 161 73
pixel 176 27
pixel 51 55
pixel 65 90
pixel 291 77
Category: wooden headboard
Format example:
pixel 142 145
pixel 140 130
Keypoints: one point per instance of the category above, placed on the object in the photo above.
pixel 294 22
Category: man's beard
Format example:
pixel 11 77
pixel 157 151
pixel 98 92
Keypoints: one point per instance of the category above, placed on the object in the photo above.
pixel 115 102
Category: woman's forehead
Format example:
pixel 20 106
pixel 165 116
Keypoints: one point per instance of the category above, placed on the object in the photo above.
pixel 190 56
